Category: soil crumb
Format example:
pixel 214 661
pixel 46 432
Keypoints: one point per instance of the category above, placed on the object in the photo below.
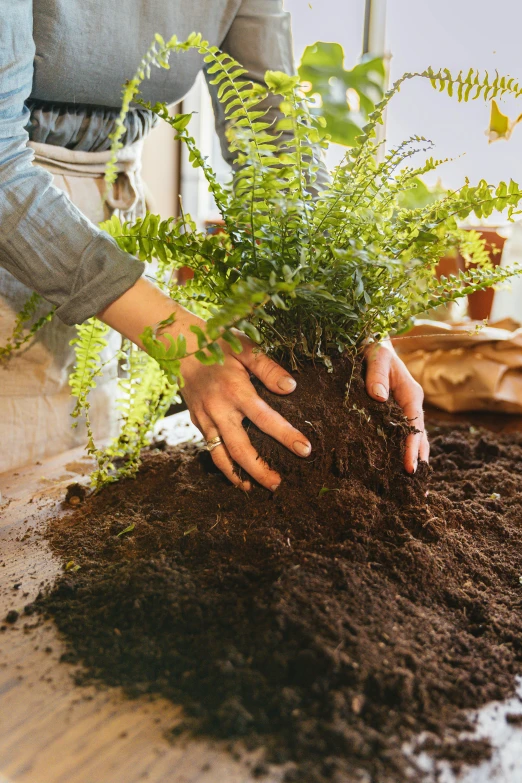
pixel 459 752
pixel 514 718
pixel 329 622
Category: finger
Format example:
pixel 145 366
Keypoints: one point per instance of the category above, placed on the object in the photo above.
pixel 410 396
pixel 219 454
pixel 378 361
pixel 412 408
pixel 411 456
pixel 269 372
pixel 424 451
pixel 223 462
pixel 195 421
pixel 241 450
pixel 275 425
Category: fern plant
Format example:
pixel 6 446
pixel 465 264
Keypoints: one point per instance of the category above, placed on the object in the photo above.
pixel 306 272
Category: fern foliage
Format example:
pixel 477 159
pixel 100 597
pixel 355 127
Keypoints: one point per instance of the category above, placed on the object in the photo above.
pixel 23 330
pixel 90 341
pixel 313 272
pixel 307 265
pixel 145 394
pixel 88 345
pixel 307 271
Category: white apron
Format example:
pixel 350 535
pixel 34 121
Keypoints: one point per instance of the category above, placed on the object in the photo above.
pixel 35 399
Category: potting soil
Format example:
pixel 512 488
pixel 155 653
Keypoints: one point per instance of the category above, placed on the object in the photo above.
pixel 328 622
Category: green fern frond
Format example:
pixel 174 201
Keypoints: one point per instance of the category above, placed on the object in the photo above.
pixel 466 282
pixel 472 86
pixel 22 333
pixel 88 346
pixel 145 396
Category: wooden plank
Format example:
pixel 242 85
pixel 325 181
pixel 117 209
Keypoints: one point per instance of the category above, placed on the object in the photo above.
pixel 50 730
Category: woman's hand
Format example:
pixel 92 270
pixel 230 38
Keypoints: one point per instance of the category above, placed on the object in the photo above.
pixel 386 373
pixel 220 396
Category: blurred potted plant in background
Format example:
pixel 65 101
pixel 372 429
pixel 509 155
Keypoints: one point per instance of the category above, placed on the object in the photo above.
pixel 480 303
pixel 344 98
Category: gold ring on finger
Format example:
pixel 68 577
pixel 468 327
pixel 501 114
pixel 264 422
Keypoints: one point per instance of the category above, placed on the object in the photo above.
pixel 213 443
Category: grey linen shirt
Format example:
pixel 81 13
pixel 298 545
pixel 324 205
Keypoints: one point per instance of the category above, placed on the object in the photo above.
pixel 75 55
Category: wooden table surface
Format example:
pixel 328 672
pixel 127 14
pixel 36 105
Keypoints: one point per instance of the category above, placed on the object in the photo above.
pixel 52 731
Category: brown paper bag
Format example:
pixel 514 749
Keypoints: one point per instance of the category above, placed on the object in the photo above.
pixel 464 369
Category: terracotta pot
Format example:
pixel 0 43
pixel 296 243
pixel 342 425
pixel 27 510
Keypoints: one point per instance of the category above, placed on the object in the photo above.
pixel 449 265
pixel 481 302
pixel 183 274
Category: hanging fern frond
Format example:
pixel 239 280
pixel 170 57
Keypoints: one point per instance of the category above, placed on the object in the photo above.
pixel 145 394
pixel 88 346
pixel 22 333
pixel 472 86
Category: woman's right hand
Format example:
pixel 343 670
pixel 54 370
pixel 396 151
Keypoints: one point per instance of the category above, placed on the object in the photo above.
pixel 218 396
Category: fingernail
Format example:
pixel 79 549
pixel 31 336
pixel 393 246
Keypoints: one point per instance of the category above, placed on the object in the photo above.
pixel 380 391
pixel 287 383
pixel 303 449
pixel 274 487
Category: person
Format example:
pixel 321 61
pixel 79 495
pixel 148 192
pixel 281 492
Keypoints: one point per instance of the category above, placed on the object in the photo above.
pixel 62 67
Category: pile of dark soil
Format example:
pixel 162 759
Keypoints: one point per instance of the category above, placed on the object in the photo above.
pixel 328 622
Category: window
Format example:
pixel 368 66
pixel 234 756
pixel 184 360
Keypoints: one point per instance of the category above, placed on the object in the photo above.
pixel 341 21
pixel 456 34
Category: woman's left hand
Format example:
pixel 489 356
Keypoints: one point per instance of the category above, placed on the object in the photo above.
pixel 386 373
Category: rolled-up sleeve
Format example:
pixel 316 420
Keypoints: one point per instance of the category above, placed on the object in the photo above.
pixel 45 241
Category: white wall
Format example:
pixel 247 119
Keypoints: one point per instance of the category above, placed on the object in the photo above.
pixel 457 34
pixel 341 21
